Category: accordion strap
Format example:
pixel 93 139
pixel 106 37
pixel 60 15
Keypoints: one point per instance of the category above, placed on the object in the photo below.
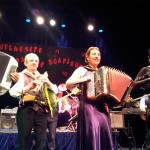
pixel 89 68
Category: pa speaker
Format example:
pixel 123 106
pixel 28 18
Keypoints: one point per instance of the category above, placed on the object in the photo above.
pixel 117 120
pixel 8 119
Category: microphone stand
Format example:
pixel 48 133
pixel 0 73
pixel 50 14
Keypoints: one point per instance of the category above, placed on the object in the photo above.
pixel 80 133
pixel 80 119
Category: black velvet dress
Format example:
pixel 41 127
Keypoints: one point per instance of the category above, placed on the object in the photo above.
pixel 95 125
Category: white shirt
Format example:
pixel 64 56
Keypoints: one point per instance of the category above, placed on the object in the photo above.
pixel 18 89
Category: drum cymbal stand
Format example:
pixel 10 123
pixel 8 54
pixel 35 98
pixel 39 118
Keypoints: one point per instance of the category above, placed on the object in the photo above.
pixel 73 123
pixel 80 120
pixel 74 109
pixel 130 136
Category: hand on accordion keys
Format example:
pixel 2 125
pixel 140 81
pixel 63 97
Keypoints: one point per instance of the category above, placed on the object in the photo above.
pixel 14 76
pixel 39 83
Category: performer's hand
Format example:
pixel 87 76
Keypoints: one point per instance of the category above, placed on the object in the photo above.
pixel 142 82
pixel 45 79
pixel 14 76
pixel 128 98
pixel 87 78
pixel 34 84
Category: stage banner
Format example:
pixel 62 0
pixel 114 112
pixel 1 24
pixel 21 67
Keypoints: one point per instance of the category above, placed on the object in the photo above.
pixel 59 62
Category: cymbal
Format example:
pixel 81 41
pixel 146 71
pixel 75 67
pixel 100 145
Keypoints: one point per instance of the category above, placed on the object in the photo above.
pixel 62 87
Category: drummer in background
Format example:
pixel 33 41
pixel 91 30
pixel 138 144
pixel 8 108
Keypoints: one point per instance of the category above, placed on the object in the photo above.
pixel 142 82
pixel 31 114
pixel 61 101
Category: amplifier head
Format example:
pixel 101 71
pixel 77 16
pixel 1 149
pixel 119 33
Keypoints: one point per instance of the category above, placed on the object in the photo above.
pixel 117 120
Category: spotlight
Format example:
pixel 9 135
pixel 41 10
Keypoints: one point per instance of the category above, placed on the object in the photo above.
pixel 28 20
pixel 40 20
pixel 52 22
pixel 90 27
pixel 100 30
pixel 63 25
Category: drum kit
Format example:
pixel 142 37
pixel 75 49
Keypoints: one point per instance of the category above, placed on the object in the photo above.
pixel 68 108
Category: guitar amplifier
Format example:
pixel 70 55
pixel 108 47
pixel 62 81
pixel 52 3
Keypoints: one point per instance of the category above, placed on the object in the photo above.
pixel 8 118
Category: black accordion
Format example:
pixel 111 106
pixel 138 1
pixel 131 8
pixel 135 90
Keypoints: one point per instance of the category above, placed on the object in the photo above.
pixel 109 84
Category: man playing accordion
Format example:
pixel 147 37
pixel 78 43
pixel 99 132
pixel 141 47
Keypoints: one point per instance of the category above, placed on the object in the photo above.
pixel 34 92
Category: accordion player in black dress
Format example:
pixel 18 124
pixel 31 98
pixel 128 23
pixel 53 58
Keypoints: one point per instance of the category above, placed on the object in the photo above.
pixel 97 134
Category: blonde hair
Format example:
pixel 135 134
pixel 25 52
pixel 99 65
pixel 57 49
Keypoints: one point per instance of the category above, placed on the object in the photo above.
pixel 89 51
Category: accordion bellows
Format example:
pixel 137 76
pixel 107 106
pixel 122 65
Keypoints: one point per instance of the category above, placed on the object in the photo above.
pixel 109 83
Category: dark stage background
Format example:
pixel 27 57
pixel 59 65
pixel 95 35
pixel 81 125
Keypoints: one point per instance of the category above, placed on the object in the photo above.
pixel 124 43
pixel 60 63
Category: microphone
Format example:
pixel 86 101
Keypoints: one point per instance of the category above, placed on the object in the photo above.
pixel 84 80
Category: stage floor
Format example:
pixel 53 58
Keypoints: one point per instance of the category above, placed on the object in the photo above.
pixel 65 139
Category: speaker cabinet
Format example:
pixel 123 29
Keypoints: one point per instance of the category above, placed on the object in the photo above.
pixel 117 120
pixel 8 119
